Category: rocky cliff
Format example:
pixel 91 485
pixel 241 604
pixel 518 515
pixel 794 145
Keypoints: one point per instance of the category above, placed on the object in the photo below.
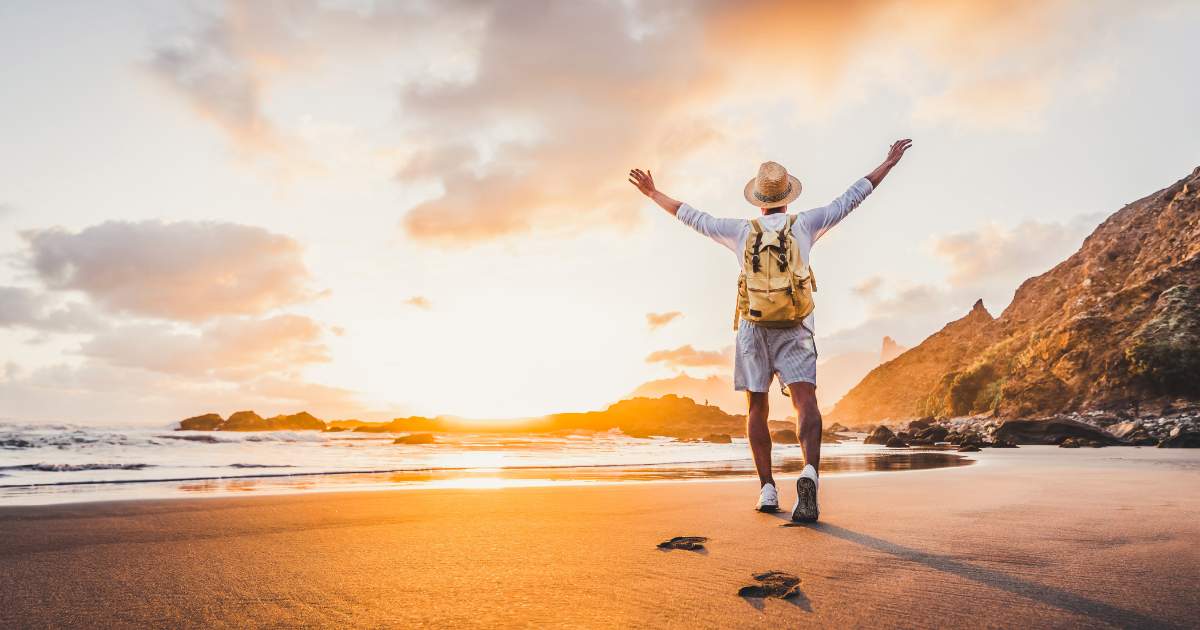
pixel 1114 327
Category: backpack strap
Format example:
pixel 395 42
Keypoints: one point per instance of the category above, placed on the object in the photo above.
pixel 752 251
pixel 785 240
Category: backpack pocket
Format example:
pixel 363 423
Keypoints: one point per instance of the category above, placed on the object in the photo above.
pixel 771 302
pixel 802 293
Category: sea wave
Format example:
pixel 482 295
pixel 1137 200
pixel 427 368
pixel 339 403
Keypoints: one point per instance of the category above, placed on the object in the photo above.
pixel 196 437
pixel 47 467
pixel 53 437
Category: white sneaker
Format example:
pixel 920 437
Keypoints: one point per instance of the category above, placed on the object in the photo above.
pixel 805 510
pixel 768 499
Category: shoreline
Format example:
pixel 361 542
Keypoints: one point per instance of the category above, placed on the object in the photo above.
pixel 283 484
pixel 1028 538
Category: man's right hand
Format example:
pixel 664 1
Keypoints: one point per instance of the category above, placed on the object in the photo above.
pixel 643 181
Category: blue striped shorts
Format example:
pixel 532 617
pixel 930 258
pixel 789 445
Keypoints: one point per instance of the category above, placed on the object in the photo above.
pixel 762 353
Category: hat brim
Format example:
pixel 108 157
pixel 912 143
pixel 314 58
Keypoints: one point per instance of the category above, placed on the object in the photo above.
pixel 791 196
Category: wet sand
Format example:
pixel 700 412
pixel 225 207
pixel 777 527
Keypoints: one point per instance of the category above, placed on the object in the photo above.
pixel 1030 537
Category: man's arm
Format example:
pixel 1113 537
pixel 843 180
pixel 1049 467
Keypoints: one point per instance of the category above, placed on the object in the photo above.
pixel 644 182
pixel 724 231
pixel 894 154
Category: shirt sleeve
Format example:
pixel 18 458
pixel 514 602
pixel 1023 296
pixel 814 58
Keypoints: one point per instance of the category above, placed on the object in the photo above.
pixel 818 221
pixel 724 231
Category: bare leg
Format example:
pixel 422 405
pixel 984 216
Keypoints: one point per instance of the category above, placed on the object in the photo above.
pixel 760 436
pixel 808 421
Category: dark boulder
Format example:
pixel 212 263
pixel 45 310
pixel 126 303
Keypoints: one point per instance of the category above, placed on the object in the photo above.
pixel 968 448
pixel 784 436
pixel 879 435
pixel 1069 443
pixel 933 434
pixel 896 442
pixel 1050 431
pixel 245 421
pixel 1181 438
pixel 415 438
pixel 920 425
pixel 836 428
pixel 718 438
pixel 971 439
pixel 1140 437
pixel 1001 444
pixel 206 422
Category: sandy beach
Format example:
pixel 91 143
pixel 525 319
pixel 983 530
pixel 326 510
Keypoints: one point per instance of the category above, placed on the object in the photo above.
pixel 1030 537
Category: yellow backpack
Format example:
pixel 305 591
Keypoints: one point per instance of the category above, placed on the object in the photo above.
pixel 775 288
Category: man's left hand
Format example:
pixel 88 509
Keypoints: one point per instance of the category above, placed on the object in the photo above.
pixel 898 149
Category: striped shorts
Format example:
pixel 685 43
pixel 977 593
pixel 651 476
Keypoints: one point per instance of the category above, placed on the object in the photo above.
pixel 764 352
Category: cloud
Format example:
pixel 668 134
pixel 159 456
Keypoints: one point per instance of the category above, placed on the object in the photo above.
pixel 521 116
pixel 28 308
pixel 687 356
pixel 999 254
pixel 97 392
pixel 228 349
pixel 225 63
pixel 7 209
pixel 220 83
pixel 185 271
pixel 658 320
pixel 867 287
pixel 419 301
pixel 564 98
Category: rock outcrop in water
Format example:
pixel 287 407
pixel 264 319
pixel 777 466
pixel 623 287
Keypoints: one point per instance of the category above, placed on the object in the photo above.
pixel 669 416
pixel 250 421
pixel 206 422
pixel 1114 327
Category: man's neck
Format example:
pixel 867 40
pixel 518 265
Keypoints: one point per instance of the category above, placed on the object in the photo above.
pixel 770 211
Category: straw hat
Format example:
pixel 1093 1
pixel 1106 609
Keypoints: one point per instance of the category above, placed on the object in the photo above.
pixel 773 187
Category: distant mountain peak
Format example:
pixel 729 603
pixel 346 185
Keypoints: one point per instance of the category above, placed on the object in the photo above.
pixel 890 350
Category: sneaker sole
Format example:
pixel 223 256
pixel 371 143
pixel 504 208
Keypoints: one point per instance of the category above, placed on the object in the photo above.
pixel 767 508
pixel 806 501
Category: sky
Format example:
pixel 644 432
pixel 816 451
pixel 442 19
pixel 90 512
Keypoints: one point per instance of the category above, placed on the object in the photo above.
pixel 376 209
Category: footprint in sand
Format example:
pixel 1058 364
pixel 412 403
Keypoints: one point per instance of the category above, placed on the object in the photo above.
pixel 687 543
pixel 772 584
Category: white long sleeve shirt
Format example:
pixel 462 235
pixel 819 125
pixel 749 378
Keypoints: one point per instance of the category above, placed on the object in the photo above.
pixel 810 225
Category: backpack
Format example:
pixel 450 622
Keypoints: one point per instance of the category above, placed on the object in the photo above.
pixel 775 288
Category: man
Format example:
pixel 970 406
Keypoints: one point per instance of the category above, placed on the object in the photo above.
pixel 774 319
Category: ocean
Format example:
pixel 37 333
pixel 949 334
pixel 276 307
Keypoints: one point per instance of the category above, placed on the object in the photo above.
pixel 43 464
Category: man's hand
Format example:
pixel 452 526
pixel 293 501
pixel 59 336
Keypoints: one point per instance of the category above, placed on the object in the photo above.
pixel 644 182
pixel 894 154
